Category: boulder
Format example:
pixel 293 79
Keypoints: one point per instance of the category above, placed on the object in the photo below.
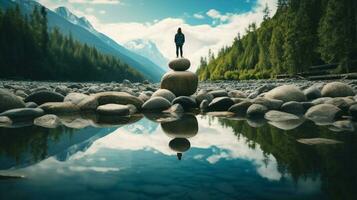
pixel 60 107
pixel 180 83
pixel 256 110
pixel 312 93
pixel 240 108
pixel 337 89
pixel 31 105
pixel 113 109
pixel 144 97
pixel 62 89
pixel 271 104
pixel 321 100
pixel 47 121
pixel 342 103
pixel 293 107
pixel 42 97
pixel 236 94
pixel 204 105
pixel 75 98
pixel 167 94
pixel 19 114
pixel 219 93
pixel 186 102
pixel 202 95
pixel 89 103
pixel 180 64
pixel 286 93
pixel 122 98
pixel 323 113
pixel 176 108
pixel 156 104
pixel 9 101
pixel 277 116
pixel 220 104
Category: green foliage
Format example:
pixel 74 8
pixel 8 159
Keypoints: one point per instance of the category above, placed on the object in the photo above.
pixel 302 33
pixel 29 51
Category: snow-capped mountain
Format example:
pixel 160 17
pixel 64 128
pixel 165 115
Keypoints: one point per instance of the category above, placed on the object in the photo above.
pixel 83 31
pixel 149 50
pixel 80 21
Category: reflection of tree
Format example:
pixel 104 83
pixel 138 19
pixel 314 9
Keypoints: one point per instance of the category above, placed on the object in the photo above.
pixel 335 164
pixel 33 140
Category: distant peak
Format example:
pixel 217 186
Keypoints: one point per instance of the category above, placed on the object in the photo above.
pixel 67 14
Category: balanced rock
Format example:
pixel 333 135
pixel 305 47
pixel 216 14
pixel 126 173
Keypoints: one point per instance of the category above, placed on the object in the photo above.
pixel 9 101
pixel 337 89
pixel 181 83
pixel 286 93
pixel 180 64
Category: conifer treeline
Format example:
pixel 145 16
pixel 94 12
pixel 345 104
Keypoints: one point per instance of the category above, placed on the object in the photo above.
pixel 302 33
pixel 29 51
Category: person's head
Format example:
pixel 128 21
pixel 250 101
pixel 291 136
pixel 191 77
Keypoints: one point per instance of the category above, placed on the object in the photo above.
pixel 179 30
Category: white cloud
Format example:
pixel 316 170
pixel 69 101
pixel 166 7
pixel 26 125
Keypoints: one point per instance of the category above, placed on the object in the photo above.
pixel 198 16
pixel 214 14
pixel 102 12
pixel 89 10
pixel 199 38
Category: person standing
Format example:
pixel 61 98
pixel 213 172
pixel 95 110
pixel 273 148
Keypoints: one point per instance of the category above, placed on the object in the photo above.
pixel 179 41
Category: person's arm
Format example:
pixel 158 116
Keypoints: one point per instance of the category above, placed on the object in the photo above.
pixel 175 38
pixel 183 37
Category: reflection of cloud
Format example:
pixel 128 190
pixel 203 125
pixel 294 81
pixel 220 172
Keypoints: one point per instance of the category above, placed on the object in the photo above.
pixel 96 169
pixel 222 140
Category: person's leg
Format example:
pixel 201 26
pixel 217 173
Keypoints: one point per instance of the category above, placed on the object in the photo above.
pixel 181 51
pixel 177 51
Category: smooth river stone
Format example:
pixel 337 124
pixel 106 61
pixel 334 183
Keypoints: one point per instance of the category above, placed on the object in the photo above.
pixel 180 83
pixel 181 64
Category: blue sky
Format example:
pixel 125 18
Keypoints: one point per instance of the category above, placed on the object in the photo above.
pixel 207 24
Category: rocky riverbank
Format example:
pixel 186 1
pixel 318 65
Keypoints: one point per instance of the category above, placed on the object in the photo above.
pixel 285 103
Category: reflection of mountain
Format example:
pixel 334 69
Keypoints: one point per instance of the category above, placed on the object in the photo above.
pixel 82 30
pixel 142 126
pixel 149 50
pixel 24 146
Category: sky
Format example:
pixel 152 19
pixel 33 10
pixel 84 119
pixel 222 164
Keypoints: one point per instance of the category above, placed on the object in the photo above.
pixel 207 24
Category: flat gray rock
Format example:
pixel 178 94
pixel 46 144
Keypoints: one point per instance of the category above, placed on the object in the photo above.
pixel 113 109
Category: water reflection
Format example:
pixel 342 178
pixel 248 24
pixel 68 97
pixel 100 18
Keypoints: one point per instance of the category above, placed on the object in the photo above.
pixel 180 130
pixel 222 158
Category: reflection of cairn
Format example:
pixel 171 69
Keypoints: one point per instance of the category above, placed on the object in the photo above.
pixel 180 130
pixel 180 82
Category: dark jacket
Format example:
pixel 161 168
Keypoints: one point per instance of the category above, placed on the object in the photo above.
pixel 179 38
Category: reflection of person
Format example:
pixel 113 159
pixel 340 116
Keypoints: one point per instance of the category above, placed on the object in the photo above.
pixel 179 41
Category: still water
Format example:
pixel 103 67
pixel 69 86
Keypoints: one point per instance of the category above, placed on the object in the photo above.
pixel 195 157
